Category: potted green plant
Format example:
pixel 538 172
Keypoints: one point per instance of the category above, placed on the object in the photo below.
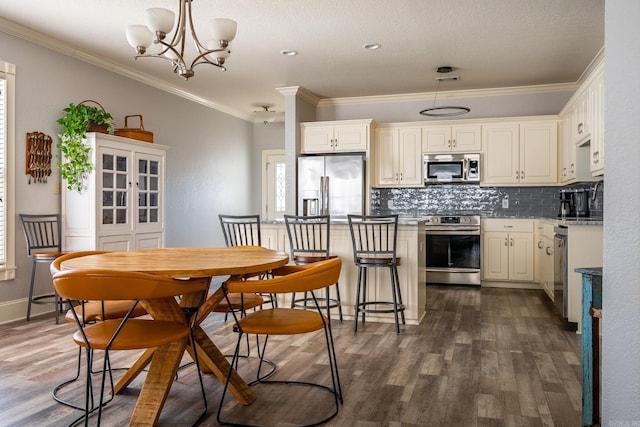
pixel 75 162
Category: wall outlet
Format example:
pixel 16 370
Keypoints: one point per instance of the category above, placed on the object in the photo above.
pixel 56 188
pixel 390 204
pixel 505 203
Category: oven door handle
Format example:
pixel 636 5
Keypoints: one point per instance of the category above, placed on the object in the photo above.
pixel 449 232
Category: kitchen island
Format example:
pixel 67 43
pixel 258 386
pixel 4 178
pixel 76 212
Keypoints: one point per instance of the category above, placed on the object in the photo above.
pixel 412 278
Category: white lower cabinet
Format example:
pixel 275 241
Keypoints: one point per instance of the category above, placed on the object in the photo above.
pixel 546 271
pixel 122 204
pixel 507 249
pixel 274 236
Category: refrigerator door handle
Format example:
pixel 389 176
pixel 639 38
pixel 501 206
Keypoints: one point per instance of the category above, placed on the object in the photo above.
pixel 326 195
pixel 322 196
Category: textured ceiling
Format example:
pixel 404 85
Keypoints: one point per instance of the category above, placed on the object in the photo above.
pixel 491 43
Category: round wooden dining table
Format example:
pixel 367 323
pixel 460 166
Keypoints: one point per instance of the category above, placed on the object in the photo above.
pixel 186 264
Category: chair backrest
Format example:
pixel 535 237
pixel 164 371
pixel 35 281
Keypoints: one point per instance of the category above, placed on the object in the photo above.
pixel 308 236
pixel 55 267
pixel 241 230
pixel 373 236
pixel 42 232
pixel 292 278
pixel 115 285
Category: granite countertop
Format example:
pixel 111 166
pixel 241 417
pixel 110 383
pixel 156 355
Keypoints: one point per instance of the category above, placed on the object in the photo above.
pixel 414 220
pixel 593 271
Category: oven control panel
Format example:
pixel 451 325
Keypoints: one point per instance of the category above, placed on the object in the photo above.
pixel 452 220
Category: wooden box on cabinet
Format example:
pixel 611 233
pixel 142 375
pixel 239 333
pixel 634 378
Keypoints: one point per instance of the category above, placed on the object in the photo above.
pixel 122 204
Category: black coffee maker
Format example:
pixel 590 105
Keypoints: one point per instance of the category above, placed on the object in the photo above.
pixel 581 202
pixel 567 204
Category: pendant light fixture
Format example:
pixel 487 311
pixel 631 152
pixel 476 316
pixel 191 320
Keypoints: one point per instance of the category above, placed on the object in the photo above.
pixel 265 115
pixel 444 111
pixel 160 22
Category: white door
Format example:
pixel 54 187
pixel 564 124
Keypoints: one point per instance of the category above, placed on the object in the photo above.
pixel 273 184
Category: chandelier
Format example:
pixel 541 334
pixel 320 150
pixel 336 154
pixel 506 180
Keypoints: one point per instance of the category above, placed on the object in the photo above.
pixel 160 23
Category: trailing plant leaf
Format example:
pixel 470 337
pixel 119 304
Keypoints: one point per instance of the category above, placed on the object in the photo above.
pixel 75 164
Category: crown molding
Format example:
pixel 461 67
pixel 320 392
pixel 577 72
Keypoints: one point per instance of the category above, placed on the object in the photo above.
pixel 36 37
pixel 457 94
pixel 301 93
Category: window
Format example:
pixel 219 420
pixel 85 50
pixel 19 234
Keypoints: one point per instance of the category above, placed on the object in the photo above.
pixel 273 184
pixel 7 143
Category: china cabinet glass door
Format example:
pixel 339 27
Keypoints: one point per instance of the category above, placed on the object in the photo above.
pixel 148 181
pixel 115 188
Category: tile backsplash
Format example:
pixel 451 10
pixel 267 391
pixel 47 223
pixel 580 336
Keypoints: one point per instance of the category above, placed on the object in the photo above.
pixel 468 199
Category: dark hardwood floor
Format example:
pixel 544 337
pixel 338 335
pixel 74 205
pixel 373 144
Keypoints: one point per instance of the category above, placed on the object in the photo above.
pixel 481 357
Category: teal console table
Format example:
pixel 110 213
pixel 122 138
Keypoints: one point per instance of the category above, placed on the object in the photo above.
pixel 591 315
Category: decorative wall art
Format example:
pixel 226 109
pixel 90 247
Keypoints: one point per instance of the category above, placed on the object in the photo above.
pixel 38 157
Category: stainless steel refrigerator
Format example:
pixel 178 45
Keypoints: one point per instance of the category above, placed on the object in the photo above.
pixel 331 185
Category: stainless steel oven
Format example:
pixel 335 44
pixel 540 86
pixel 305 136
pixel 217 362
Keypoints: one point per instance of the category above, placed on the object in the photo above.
pixel 452 246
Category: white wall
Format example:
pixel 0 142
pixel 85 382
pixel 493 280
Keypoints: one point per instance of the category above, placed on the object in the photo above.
pixel 621 280
pixel 265 137
pixel 209 163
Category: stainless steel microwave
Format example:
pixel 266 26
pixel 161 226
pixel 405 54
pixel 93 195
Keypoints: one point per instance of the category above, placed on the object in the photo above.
pixel 449 168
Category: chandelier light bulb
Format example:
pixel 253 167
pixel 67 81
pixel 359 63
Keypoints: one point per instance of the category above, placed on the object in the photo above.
pixel 160 21
pixel 139 37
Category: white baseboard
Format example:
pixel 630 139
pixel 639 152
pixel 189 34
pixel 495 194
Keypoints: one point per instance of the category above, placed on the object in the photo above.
pixel 511 285
pixel 11 311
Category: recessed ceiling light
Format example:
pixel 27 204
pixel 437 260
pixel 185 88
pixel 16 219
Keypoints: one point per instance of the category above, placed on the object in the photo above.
pixel 288 52
pixel 372 46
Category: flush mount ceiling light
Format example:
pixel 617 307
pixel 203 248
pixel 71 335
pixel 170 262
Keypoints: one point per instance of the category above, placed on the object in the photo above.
pixel 160 23
pixel 265 115
pixel 371 46
pixel 444 111
pixel 288 52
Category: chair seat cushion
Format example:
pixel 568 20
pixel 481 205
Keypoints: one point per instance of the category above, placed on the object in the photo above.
pixel 46 255
pixel 250 301
pixel 282 321
pixel 307 259
pixel 112 310
pixel 136 334
pixel 378 261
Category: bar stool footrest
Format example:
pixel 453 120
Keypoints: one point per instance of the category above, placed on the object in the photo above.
pixel 302 303
pixel 362 307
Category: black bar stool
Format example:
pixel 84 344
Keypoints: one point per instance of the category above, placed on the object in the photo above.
pixel 43 234
pixel 309 241
pixel 374 241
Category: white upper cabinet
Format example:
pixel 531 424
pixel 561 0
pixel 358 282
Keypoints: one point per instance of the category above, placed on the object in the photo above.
pixel 596 89
pixel 516 153
pixel 398 157
pixel 446 138
pixel 337 136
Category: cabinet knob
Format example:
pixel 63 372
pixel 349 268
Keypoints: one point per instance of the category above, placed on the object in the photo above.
pixel 506 241
pixel 449 143
pixel 539 244
pixel 521 174
pixel 548 251
pixel 517 174
pixel 511 242
pixel 454 142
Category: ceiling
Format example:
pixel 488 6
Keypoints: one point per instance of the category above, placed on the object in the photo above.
pixel 490 44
